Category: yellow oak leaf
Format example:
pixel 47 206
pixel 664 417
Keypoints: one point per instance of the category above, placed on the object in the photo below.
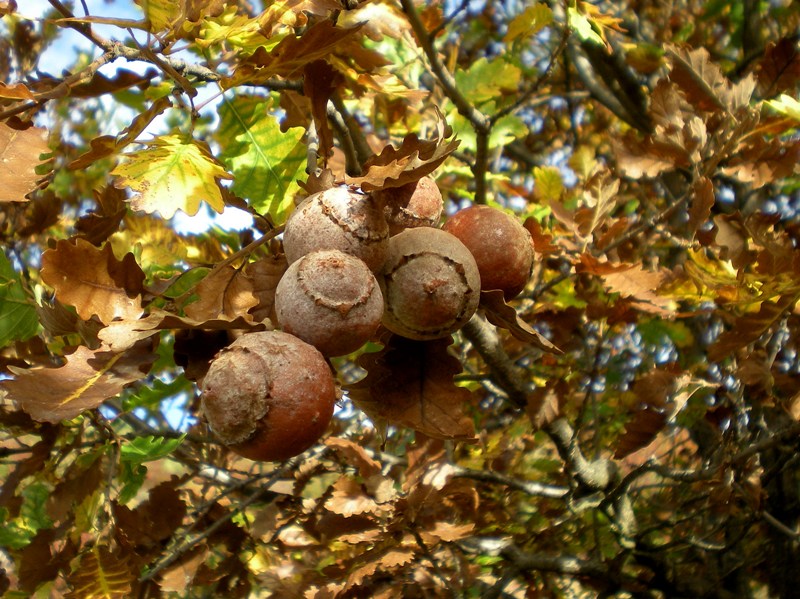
pixel 172 174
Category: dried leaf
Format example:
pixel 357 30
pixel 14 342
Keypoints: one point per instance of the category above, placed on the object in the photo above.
pixel 291 54
pixel 779 69
pixel 120 335
pixel 86 380
pixel 500 314
pixel 542 242
pixel 172 174
pixel 749 327
pixel 349 499
pixel 93 280
pixel 154 520
pixel 320 80
pixel 648 158
pixel 177 577
pixel 763 162
pixel 225 292
pixel 414 159
pixel 702 81
pixel 545 403
pixel 39 561
pixel 20 153
pixel 17 91
pixel 355 455
pixel 97 227
pixel 264 275
pixel 640 431
pixel 654 389
pixel 631 280
pixel 702 201
pixel 410 383
pixel 101 574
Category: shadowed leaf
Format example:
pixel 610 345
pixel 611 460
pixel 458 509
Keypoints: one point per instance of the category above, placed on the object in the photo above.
pixel 410 383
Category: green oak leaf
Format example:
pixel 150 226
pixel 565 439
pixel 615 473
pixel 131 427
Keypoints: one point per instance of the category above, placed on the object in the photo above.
pixel 266 162
pixel 18 318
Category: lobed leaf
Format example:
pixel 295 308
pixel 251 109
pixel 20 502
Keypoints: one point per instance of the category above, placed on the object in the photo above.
pixel 20 154
pixel 93 280
pixel 172 174
pixel 86 380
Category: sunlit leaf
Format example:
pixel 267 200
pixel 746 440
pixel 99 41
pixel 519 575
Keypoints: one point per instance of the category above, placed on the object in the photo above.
pixel 147 449
pixel 172 174
pixel 93 280
pixel 529 22
pixel 266 162
pixel 20 154
pixel 101 574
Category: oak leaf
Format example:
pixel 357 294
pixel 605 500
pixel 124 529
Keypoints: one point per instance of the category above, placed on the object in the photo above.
pixel 17 91
pixel 410 383
pixel 640 431
pixel 225 292
pixel 703 82
pixel 96 227
pixel 414 159
pixel 20 152
pixel 500 314
pixel 101 574
pixel 633 281
pixel 172 174
pixel 93 280
pixel 266 163
pixel 123 334
pixel 779 68
pixel 86 380
pixel 702 201
pixel 265 274
pixel 18 319
pixel 350 499
pixel 355 455
pixel 291 54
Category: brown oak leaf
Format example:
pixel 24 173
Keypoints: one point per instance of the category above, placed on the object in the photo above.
pixel 630 280
pixel 93 280
pixel 320 81
pixel 779 68
pixel 640 431
pixel 414 159
pixel 350 499
pixel 19 153
pixel 96 227
pixel 225 292
pixel 86 380
pixel 410 383
pixel 107 145
pixel 122 334
pixel 500 314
